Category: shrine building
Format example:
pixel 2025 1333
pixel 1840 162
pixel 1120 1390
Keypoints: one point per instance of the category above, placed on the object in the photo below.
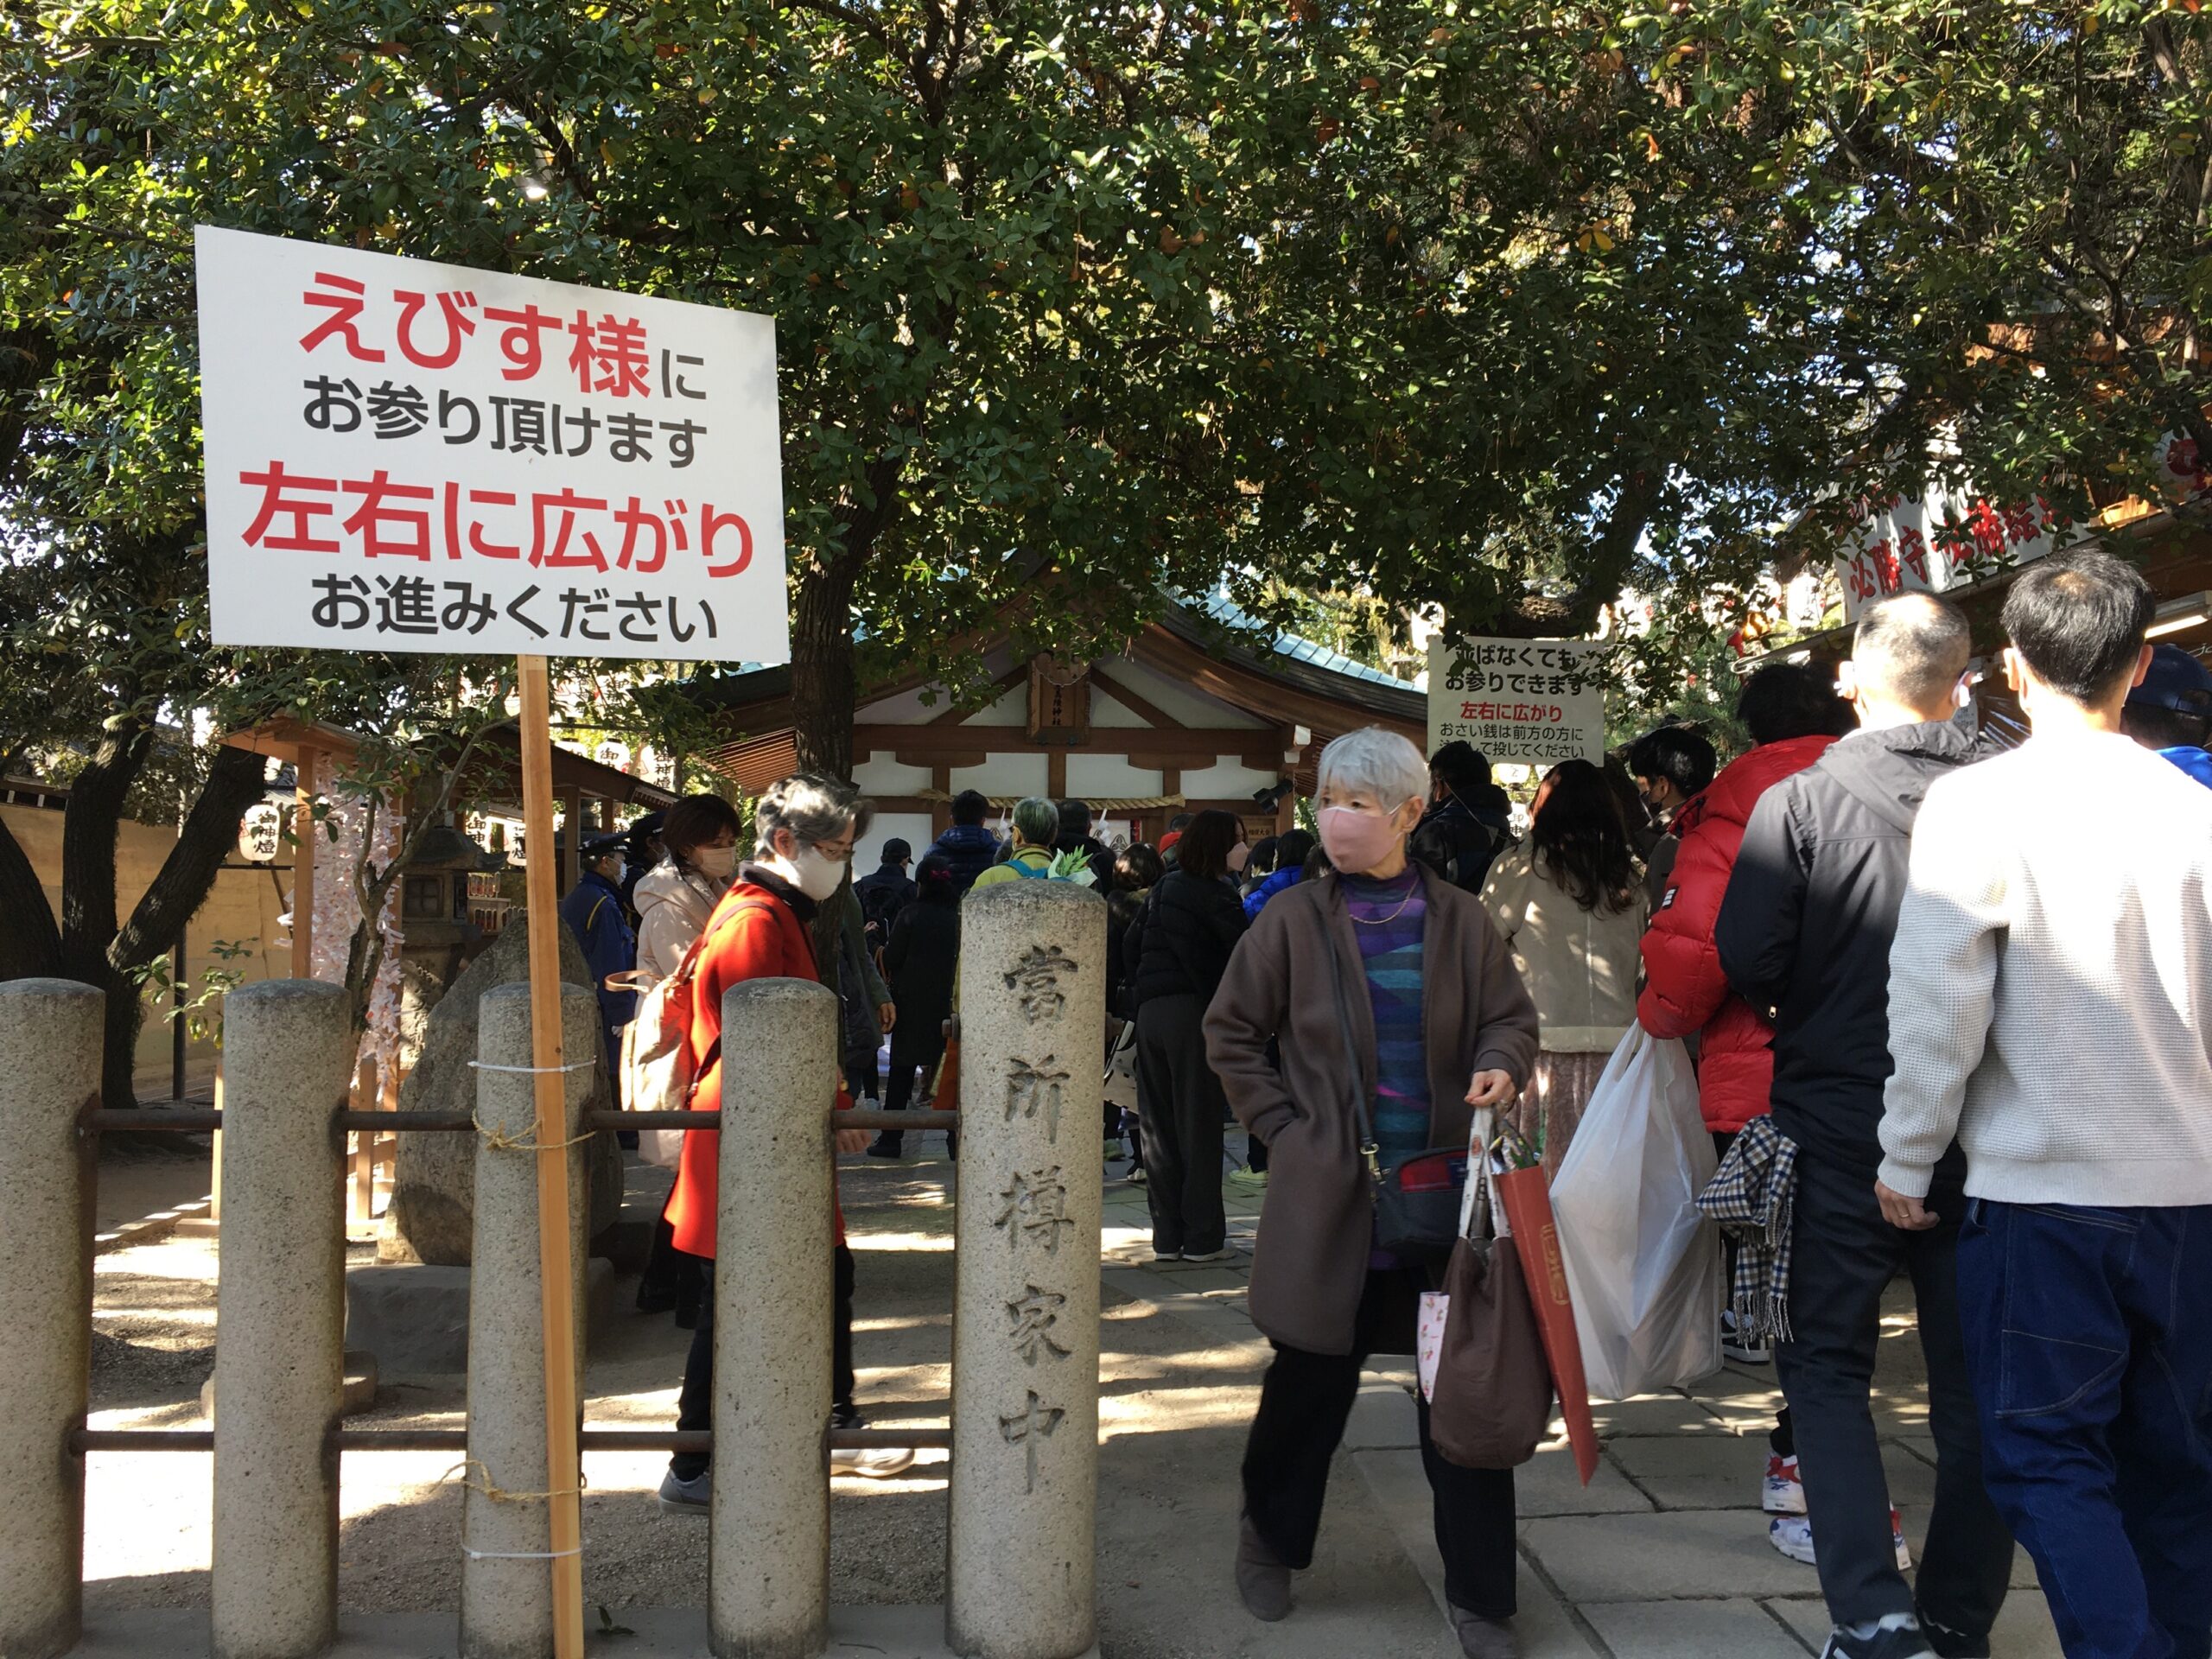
pixel 1203 709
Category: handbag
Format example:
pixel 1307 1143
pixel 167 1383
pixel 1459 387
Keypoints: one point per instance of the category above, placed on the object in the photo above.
pixel 1492 1400
pixel 1418 1204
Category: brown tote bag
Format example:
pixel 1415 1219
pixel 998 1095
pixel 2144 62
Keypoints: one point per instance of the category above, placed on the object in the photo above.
pixel 1492 1403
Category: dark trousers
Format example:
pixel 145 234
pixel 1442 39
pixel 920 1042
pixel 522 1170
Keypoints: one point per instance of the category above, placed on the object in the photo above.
pixel 1843 1256
pixel 909 1054
pixel 670 1272
pixel 1182 1104
pixel 860 1075
pixel 2089 1338
pixel 1304 1402
pixel 694 1406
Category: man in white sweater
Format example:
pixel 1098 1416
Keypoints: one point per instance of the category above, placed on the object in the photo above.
pixel 2051 1007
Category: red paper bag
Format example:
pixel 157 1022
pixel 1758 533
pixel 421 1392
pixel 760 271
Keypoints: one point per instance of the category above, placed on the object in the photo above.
pixel 1527 1203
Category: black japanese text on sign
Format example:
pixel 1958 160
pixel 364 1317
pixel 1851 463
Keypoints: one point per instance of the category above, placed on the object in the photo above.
pixel 1533 702
pixel 410 456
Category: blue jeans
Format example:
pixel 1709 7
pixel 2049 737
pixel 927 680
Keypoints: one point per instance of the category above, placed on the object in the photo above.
pixel 2088 1335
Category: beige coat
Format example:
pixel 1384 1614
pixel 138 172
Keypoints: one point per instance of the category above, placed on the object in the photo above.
pixel 1316 1225
pixel 673 905
pixel 1579 965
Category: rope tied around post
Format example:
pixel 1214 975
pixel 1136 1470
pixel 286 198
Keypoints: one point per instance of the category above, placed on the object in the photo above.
pixel 500 1495
pixel 499 1140
pixel 531 1070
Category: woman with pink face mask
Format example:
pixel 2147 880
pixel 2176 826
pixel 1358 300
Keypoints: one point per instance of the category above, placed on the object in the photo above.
pixel 1391 998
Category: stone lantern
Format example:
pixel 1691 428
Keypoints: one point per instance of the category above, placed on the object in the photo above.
pixel 437 937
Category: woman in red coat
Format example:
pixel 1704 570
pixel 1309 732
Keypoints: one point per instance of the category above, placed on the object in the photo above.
pixel 1794 713
pixel 804 828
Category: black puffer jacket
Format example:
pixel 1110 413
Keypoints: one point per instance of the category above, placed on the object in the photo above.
pixel 1457 839
pixel 1179 943
pixel 1805 927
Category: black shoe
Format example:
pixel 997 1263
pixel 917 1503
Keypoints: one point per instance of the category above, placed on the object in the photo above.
pixel 655 1299
pixel 687 1316
pixel 887 1145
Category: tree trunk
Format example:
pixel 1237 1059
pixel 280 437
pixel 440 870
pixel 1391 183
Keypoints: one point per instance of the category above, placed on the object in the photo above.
pixel 824 685
pixel 30 945
pixel 209 834
pixel 92 948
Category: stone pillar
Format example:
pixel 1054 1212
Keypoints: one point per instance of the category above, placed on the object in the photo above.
pixel 768 1551
pixel 280 1321
pixel 507 1582
pixel 49 1073
pixel 1025 1335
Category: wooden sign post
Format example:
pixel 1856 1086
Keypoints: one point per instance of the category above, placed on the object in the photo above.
pixel 564 1474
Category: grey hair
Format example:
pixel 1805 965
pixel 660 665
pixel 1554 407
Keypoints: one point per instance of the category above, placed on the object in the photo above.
pixel 813 808
pixel 1038 820
pixel 1373 759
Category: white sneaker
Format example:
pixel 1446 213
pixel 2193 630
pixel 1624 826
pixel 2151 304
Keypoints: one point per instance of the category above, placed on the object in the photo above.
pixel 1783 1491
pixel 1221 1254
pixel 1793 1535
pixel 878 1463
pixel 875 1462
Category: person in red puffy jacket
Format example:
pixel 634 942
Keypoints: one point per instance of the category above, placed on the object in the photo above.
pixel 1793 715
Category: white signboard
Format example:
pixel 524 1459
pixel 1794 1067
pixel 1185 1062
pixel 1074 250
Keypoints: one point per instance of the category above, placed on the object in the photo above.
pixel 410 456
pixel 1930 545
pixel 1540 701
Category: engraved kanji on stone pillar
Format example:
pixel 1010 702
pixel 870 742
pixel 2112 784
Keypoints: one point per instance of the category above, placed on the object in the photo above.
pixel 1025 1368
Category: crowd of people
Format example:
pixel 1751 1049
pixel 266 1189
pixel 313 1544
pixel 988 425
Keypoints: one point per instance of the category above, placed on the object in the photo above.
pixel 1948 1003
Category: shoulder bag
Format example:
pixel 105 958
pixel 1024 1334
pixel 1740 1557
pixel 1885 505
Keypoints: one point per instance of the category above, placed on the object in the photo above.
pixel 1417 1204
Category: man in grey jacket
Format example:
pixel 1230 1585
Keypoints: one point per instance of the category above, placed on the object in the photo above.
pixel 2051 1007
pixel 1805 933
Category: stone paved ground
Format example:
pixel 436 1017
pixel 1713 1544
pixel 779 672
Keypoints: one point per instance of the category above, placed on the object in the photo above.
pixel 1663 1555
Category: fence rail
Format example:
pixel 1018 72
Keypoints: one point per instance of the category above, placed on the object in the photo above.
pixel 106 1119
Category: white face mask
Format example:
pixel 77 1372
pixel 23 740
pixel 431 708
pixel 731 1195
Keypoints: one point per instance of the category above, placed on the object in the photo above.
pixel 819 877
pixel 720 862
pixel 1239 856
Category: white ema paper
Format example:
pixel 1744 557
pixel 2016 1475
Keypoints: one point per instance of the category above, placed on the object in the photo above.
pixel 409 456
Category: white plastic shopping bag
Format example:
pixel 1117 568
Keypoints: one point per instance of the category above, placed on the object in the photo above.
pixel 1642 1264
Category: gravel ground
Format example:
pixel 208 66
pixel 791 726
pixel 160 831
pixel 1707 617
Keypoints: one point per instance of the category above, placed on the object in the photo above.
pixel 1174 1408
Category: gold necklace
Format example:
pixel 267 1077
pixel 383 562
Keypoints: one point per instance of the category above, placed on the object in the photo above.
pixel 1362 921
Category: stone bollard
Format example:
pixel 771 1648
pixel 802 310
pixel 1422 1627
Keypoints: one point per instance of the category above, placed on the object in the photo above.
pixel 768 1548
pixel 506 1586
pixel 1022 1583
pixel 49 1073
pixel 280 1321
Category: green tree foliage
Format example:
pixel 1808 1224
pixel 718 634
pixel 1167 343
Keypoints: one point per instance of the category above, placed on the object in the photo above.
pixel 2028 187
pixel 1494 303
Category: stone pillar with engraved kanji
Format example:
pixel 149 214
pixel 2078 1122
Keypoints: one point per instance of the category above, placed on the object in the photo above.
pixel 1022 1583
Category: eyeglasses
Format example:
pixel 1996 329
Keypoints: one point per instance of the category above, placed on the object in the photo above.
pixel 836 852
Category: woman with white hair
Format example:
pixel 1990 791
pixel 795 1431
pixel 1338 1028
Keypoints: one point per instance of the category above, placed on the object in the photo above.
pixel 1392 1000
pixel 805 829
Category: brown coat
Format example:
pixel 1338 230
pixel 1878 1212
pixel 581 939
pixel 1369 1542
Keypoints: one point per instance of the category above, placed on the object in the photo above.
pixel 1316 1225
